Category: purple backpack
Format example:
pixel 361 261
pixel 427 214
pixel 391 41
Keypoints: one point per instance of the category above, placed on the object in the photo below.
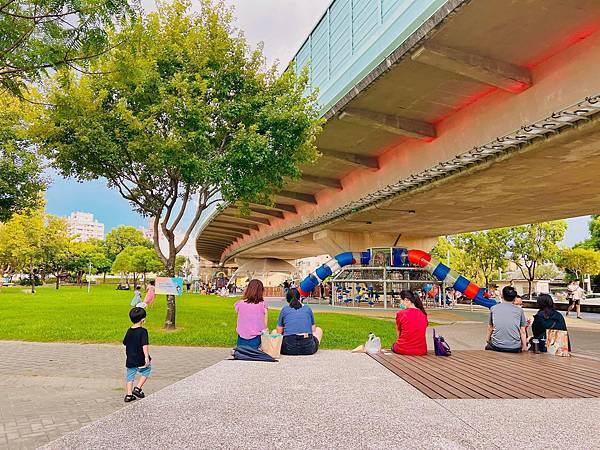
pixel 440 346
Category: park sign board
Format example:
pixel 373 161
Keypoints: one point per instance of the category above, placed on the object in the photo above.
pixel 169 286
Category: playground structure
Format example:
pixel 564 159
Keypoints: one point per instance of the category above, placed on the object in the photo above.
pixel 399 257
pixel 380 286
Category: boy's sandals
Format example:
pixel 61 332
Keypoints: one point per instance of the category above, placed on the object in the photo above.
pixel 130 398
pixel 138 392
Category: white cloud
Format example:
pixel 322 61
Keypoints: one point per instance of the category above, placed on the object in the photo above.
pixel 282 25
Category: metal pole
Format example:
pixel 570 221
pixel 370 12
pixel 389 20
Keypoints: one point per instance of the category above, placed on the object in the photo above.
pixel 90 278
pixel 384 288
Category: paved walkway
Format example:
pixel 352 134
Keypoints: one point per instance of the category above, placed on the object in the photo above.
pixel 47 390
pixel 334 399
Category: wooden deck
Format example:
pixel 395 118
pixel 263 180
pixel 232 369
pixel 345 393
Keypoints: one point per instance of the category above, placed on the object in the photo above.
pixel 485 374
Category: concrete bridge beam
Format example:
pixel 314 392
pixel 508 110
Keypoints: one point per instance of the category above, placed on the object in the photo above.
pixel 333 242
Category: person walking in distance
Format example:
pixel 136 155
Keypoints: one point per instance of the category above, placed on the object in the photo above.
pixel 577 294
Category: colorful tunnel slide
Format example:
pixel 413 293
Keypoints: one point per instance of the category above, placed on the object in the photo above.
pixel 401 257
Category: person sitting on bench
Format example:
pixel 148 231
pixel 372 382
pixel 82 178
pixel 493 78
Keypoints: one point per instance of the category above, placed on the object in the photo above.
pixel 411 324
pixel 547 318
pixel 506 328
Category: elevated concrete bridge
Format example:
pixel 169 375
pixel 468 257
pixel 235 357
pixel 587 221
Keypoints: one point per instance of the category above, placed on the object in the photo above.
pixel 443 116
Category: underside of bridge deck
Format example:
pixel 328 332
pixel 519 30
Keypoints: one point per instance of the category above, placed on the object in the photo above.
pixel 478 120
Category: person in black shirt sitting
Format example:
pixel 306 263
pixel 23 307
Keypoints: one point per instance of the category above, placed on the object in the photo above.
pixel 137 352
pixel 547 318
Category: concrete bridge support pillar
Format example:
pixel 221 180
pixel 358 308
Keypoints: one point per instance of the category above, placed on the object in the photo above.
pixel 333 242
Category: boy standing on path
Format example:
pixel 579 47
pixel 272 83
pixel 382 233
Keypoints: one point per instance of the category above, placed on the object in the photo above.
pixel 138 356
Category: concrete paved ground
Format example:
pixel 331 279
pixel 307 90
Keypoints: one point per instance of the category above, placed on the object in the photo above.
pixel 334 399
pixel 47 390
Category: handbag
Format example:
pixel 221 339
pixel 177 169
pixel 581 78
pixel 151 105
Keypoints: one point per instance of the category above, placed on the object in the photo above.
pixel 271 344
pixel 557 342
pixel 440 346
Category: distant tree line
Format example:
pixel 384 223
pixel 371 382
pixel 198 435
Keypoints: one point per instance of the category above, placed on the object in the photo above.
pixel 534 249
pixel 39 245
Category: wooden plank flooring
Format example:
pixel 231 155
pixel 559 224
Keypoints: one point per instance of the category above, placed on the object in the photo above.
pixel 485 374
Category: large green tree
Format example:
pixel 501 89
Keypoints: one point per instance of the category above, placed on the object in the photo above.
pixel 487 250
pixel 579 261
pixel 20 168
pixel 25 241
pixel 447 251
pixel 39 35
pixel 55 247
pixel 137 260
pixel 593 242
pixel 84 257
pixel 534 244
pixel 118 239
pixel 29 240
pixel 185 114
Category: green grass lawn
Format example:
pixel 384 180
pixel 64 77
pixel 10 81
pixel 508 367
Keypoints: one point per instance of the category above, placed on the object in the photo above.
pixel 72 315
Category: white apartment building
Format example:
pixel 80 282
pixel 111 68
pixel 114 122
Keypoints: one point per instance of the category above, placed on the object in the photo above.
pixel 84 227
pixel 308 265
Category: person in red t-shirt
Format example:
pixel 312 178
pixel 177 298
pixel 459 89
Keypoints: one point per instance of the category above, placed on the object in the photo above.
pixel 411 322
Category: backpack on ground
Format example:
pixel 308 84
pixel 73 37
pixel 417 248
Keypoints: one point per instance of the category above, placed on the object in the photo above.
pixel 245 353
pixel 440 346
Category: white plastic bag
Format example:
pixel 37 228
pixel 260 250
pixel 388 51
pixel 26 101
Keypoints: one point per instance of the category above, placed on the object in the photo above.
pixel 373 345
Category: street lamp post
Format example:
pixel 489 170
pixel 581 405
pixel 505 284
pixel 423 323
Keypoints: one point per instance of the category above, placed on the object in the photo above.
pixel 90 277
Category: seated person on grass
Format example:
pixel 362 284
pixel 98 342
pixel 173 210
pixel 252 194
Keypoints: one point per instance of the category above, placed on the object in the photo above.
pixel 297 324
pixel 507 326
pixel 411 325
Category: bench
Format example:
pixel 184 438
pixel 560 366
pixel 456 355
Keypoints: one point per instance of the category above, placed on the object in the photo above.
pixel 480 374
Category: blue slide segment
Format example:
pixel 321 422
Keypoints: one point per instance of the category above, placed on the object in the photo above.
pixel 401 257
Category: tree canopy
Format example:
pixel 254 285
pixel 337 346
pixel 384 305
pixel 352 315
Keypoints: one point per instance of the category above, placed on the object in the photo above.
pixel 486 250
pixel 118 239
pixel 38 35
pixel 136 260
pixel 580 261
pixel 20 179
pixel 534 244
pixel 183 115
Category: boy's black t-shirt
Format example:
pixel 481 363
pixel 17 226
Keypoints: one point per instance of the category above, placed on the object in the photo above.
pixel 134 340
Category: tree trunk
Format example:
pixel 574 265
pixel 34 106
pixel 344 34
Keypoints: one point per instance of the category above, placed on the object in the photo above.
pixel 170 319
pixel 57 279
pixel 529 282
pixel 104 278
pixel 31 276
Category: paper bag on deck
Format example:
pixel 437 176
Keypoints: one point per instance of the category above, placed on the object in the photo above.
pixel 557 342
pixel 271 344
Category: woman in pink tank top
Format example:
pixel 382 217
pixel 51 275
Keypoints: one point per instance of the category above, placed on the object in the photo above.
pixel 252 315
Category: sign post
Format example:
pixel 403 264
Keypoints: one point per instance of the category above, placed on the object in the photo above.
pixel 169 286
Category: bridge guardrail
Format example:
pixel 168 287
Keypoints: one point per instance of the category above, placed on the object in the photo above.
pixel 353 37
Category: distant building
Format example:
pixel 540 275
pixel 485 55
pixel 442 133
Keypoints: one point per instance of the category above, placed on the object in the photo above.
pixel 308 265
pixel 192 266
pixel 84 227
pixel 147 232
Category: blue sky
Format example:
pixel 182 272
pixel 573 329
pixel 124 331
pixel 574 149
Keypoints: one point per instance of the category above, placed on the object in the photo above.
pixel 65 196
